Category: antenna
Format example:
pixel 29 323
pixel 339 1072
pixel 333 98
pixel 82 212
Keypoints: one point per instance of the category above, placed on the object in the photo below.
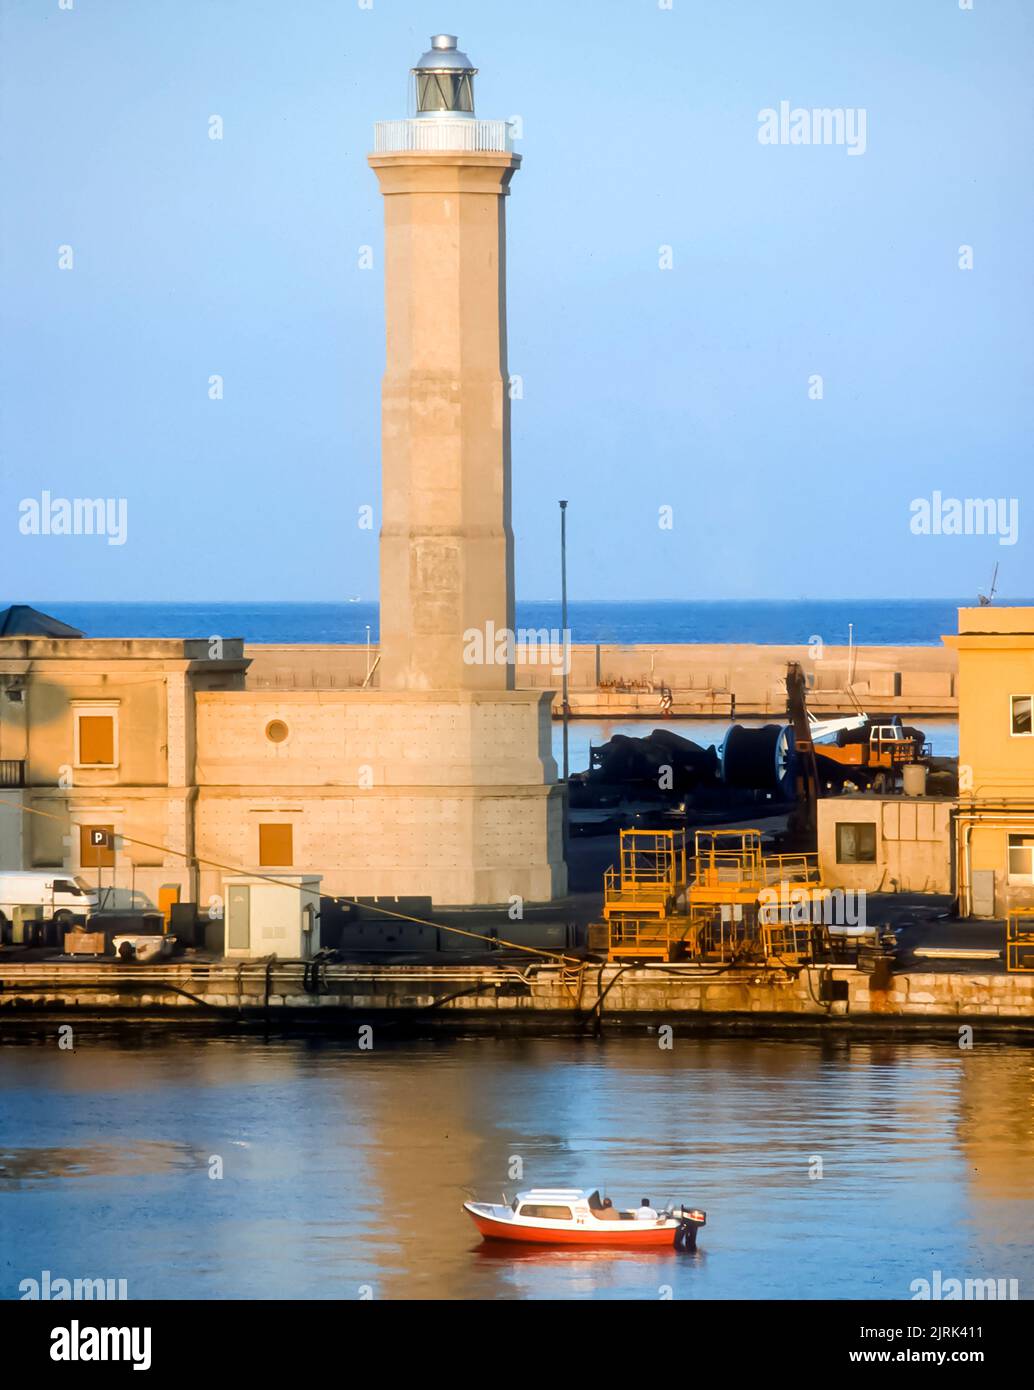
pixel 987 599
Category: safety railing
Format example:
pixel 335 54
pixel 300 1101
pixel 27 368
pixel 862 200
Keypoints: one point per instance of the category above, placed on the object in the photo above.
pixel 790 868
pixel 743 866
pixel 442 134
pixel 650 937
pixel 653 857
pixel 727 857
pixel 649 875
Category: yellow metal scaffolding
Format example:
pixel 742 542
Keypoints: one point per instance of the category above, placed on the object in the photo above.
pixel 641 894
pixel 1019 941
pixel 726 903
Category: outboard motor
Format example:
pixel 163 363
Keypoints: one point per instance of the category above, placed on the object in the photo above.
pixel 689 1223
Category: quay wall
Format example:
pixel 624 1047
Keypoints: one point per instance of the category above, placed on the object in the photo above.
pixel 705 679
pixel 502 998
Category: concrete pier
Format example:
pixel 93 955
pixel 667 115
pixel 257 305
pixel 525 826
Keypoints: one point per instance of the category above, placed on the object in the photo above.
pixel 542 998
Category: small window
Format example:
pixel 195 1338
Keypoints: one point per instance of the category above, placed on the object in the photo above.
pixel 1021 714
pixel 276 846
pixel 65 885
pixel 97 846
pixel 1021 858
pixel 546 1213
pixel 96 740
pixel 856 842
pixel 276 731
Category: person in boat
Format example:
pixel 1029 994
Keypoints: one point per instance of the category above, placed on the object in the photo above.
pixel 607 1212
pixel 645 1212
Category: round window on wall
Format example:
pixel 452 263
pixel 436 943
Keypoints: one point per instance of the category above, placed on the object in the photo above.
pixel 276 731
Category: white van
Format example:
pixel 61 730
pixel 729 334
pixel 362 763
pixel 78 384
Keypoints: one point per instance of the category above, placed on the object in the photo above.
pixel 61 896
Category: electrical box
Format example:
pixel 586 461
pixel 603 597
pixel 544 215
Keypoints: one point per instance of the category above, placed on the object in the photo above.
pixel 267 917
pixel 983 892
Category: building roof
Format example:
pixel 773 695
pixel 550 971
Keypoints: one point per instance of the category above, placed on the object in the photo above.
pixel 567 1194
pixel 22 621
pixel 997 621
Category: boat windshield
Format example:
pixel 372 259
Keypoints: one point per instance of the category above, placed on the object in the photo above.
pixel 594 1201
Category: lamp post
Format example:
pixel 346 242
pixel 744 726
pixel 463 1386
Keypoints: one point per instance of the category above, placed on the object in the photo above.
pixel 563 630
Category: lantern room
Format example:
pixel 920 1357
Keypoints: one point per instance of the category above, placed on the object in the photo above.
pixel 443 80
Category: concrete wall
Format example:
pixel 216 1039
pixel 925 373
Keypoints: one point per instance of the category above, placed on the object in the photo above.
pixel 500 999
pixel 11 820
pixel 913 843
pixel 705 678
pixel 392 794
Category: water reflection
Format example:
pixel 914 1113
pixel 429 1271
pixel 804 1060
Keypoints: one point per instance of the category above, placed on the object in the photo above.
pixel 20 1166
pixel 843 1169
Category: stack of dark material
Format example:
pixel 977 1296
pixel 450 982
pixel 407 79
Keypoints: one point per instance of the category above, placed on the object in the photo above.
pixel 127 923
pixel 187 925
pixel 646 760
pixel 347 924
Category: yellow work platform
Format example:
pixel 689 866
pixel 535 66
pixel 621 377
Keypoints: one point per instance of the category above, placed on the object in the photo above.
pixel 1019 941
pixel 649 876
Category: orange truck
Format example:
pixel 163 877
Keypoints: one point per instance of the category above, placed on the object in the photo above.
pixel 886 746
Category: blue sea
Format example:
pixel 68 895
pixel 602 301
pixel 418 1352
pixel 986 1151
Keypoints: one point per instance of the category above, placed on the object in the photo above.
pixel 876 622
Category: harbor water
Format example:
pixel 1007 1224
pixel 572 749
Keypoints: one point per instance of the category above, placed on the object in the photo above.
pixel 215 1166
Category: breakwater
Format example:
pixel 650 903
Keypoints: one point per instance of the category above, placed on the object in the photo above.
pixel 701 680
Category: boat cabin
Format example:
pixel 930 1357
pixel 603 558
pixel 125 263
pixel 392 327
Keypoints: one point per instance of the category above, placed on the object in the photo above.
pixel 565 1204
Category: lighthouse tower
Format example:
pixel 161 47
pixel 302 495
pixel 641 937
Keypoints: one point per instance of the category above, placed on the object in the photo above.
pixel 446 557
pixel 446 539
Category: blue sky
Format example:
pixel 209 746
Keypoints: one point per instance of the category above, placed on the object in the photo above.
pixel 643 387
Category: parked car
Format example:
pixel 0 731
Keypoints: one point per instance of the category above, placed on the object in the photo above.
pixel 62 897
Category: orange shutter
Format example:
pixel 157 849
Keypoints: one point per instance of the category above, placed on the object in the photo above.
pixel 276 845
pixel 96 739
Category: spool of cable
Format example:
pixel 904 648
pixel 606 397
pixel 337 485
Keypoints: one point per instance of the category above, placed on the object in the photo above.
pixel 758 759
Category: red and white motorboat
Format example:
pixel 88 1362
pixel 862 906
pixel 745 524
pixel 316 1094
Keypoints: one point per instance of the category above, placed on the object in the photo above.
pixel 577 1216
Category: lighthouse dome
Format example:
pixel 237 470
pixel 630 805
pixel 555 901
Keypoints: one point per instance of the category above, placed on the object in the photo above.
pixel 444 80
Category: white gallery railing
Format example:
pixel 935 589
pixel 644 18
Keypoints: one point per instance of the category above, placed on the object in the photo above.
pixel 441 133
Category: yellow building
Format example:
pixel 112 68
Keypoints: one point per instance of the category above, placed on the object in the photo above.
pixel 994 832
pixel 159 747
pixel 886 844
pixel 98 754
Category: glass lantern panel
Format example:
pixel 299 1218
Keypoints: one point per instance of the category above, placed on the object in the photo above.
pixel 443 91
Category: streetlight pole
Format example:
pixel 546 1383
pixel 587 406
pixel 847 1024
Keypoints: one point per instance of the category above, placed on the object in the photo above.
pixel 563 629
